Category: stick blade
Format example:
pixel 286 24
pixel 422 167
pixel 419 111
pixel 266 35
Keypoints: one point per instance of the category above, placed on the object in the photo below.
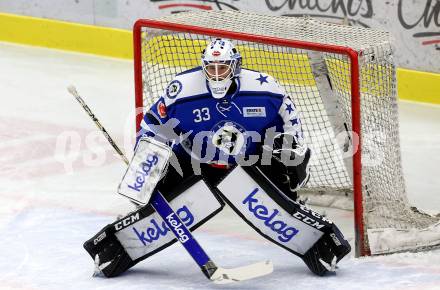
pixel 225 276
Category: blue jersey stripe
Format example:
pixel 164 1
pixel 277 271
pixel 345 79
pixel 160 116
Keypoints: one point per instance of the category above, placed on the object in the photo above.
pixel 258 93
pixel 189 99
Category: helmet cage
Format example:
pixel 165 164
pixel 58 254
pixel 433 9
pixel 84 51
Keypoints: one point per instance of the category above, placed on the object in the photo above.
pixel 218 71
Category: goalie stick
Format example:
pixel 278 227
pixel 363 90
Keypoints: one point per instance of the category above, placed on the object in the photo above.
pixel 73 92
pixel 216 274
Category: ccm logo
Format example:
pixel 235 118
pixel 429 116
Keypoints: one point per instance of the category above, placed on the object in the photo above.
pixel 335 239
pixel 126 221
pixel 99 238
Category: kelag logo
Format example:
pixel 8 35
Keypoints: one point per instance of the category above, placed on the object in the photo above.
pixel 177 226
pixel 156 230
pixel 143 172
pixel 285 232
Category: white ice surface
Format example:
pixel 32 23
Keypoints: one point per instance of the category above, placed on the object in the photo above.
pixel 47 213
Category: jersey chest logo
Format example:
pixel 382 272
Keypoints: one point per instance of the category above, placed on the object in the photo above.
pixel 229 137
pixel 225 107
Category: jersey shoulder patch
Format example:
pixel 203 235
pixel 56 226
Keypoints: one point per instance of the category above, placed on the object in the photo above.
pixel 185 85
pixel 173 89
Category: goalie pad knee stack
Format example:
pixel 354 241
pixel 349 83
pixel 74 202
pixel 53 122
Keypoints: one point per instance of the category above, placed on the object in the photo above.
pixel 142 233
pixel 287 223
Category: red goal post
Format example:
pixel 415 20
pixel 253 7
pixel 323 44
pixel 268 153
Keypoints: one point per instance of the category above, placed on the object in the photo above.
pixel 184 27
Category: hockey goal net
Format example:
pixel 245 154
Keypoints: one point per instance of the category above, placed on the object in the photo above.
pixel 341 78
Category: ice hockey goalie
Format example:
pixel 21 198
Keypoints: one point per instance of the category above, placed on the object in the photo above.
pixel 236 131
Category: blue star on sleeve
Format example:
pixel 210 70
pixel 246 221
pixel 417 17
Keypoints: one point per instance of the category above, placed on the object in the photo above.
pixel 289 108
pixel 294 121
pixel 262 79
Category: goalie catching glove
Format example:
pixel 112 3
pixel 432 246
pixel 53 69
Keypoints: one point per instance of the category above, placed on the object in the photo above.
pixel 289 165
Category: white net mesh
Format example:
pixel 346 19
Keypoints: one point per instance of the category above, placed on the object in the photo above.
pixel 319 84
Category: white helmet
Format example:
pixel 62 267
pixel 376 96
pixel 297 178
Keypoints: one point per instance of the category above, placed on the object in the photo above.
pixel 221 63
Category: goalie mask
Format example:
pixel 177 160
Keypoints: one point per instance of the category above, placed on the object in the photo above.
pixel 221 63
